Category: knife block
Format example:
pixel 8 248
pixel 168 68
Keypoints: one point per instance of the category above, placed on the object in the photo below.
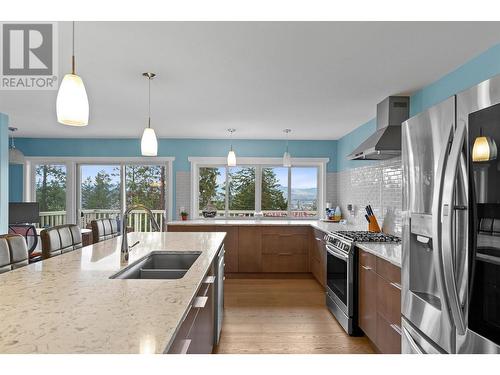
pixel 373 224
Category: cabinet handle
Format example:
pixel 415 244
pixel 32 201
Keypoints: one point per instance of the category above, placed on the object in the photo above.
pixel 396 328
pixel 366 268
pixel 200 302
pixel 209 280
pixel 284 254
pixel 396 285
pixel 319 239
pixel 184 346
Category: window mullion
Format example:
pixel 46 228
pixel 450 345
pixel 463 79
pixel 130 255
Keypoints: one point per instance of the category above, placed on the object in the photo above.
pixel 258 188
pixel 226 211
pixel 289 206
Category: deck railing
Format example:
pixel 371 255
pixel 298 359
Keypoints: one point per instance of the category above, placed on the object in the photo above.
pixel 137 219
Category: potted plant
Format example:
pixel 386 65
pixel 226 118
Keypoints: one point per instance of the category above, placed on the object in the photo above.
pixel 184 215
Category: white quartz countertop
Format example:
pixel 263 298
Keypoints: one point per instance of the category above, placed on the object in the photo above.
pixel 387 251
pixel 68 304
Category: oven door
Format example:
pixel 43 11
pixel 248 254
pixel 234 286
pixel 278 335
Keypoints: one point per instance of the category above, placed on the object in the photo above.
pixel 339 278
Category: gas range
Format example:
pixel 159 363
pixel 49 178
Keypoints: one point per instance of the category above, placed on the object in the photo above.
pixel 344 240
pixel 365 236
pixel 341 275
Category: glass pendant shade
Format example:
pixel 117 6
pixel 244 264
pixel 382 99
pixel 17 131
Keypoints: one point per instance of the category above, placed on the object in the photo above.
pixel 231 159
pixel 15 156
pixel 149 143
pixel 72 104
pixel 484 149
pixel 287 159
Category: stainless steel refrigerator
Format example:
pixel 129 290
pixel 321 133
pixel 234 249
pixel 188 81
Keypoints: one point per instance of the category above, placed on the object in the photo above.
pixel 451 225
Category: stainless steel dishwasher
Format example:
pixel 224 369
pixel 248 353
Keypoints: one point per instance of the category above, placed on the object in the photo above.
pixel 219 294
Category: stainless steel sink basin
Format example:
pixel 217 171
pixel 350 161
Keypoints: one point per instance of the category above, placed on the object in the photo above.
pixel 159 265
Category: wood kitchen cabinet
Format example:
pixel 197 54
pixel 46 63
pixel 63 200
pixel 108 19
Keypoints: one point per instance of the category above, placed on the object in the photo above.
pixel 265 248
pixel 317 256
pixel 285 249
pixel 196 333
pixel 379 314
pixel 367 306
pixel 249 249
pixel 231 247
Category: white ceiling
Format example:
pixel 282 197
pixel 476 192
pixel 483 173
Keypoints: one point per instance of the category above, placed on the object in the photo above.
pixel 321 79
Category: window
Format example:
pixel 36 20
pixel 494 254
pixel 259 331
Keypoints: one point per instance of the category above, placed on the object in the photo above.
pixel 241 191
pixel 50 193
pixel 99 192
pixel 145 184
pixel 304 192
pixel 78 190
pixel 212 188
pixel 273 190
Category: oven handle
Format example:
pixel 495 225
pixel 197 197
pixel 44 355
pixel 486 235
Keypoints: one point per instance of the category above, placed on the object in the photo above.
pixel 336 253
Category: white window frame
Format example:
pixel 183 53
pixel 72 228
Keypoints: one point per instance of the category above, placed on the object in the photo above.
pixel 73 177
pixel 259 163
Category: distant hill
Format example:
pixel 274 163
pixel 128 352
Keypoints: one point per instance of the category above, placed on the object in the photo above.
pixel 301 194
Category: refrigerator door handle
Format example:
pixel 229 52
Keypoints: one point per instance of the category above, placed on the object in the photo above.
pixel 436 222
pixel 447 219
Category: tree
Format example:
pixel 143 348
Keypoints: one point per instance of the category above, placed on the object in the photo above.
pixel 272 197
pixel 145 184
pixel 242 189
pixel 209 189
pixel 51 187
pixel 100 193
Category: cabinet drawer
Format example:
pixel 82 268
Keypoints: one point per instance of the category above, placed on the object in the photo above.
pixel 388 336
pixel 388 271
pixel 178 346
pixel 389 301
pixel 367 301
pixel 285 230
pixel 278 244
pixel 367 260
pixel 284 262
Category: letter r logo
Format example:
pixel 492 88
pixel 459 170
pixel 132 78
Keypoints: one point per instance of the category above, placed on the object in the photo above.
pixel 27 49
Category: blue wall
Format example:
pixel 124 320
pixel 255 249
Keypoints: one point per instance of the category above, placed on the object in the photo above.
pixel 4 173
pixel 16 187
pixel 480 68
pixel 180 148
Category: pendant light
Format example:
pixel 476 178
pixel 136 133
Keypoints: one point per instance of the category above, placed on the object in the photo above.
pixel 149 143
pixel 484 149
pixel 287 158
pixel 15 155
pixel 72 104
pixel 231 155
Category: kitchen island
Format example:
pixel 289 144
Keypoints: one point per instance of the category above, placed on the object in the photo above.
pixel 69 304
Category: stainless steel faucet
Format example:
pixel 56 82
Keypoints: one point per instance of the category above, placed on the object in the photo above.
pixel 125 248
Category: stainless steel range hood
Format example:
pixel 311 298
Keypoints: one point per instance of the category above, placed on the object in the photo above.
pixel 385 143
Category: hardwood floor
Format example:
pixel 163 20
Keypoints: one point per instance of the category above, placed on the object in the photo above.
pixel 286 316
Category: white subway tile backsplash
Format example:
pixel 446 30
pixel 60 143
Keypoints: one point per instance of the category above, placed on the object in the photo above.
pixel 182 192
pixel 378 185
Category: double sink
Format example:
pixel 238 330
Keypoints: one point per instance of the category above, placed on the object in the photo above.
pixel 159 265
